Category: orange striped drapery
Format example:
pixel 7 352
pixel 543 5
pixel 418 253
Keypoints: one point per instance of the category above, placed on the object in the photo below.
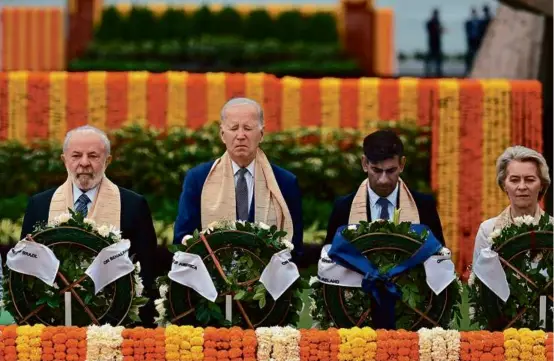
pixel 472 121
pixel 33 38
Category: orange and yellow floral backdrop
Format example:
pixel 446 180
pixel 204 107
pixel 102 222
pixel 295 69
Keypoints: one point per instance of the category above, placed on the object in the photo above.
pixel 472 121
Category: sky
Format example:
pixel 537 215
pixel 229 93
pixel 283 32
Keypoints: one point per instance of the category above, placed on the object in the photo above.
pixel 410 16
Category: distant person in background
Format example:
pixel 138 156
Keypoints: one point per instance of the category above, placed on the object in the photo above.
pixel 485 21
pixel 473 37
pixel 434 54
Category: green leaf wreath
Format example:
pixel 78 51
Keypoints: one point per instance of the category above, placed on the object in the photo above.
pixel 65 236
pixel 527 247
pixel 356 302
pixel 240 269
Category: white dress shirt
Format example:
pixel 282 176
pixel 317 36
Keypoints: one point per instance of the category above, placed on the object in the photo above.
pixel 249 176
pixel 91 194
pixel 376 208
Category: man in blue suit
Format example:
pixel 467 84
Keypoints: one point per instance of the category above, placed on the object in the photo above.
pixel 242 184
pixel 383 191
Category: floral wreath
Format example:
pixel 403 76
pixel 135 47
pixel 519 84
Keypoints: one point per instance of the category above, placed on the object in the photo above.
pixel 245 266
pixel 74 261
pixel 353 301
pixel 526 275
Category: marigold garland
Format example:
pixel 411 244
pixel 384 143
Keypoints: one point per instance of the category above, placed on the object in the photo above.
pixel 104 343
pixel 549 351
pixel 481 345
pixel 315 345
pixel 9 335
pixel 249 345
pixel 2 346
pixel 397 345
pixel 357 344
pixel 140 344
pixel 334 343
pixel 28 342
pixel 64 343
pixel 184 343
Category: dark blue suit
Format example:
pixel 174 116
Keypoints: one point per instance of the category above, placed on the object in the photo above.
pixel 189 218
pixel 426 207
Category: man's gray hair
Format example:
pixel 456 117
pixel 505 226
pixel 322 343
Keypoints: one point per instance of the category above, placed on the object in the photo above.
pixel 522 154
pixel 87 129
pixel 241 101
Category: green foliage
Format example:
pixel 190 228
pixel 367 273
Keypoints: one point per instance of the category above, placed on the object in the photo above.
pixel 202 22
pixel 228 21
pixel 174 24
pixel 142 24
pixel 258 25
pixel 112 26
pixel 528 249
pixel 385 250
pixel 242 264
pixel 75 257
pixel 290 26
pixel 326 163
pixel 321 28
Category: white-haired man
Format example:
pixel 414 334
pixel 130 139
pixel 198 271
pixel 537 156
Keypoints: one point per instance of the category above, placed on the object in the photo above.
pixel 86 155
pixel 242 184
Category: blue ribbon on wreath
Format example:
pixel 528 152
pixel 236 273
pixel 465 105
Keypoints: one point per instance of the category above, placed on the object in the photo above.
pixel 380 285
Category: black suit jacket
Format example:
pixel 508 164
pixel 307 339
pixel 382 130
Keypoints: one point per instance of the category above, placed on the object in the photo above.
pixel 136 225
pixel 426 207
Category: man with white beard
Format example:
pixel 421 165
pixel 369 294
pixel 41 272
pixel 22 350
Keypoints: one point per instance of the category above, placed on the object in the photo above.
pixel 87 190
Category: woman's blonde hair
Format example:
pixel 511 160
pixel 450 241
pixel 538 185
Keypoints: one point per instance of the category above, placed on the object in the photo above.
pixel 522 154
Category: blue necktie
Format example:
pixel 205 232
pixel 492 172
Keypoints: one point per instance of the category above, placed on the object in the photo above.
pixel 82 204
pixel 384 203
pixel 241 193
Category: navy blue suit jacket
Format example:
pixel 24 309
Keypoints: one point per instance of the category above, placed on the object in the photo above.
pixel 426 207
pixel 189 218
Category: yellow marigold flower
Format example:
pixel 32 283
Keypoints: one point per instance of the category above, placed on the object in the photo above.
pixel 344 348
pixel 23 339
pixel 510 334
pixel 525 356
pixel 372 346
pixel 345 357
pixel 196 349
pixel 511 352
pixel 526 340
pixel 36 357
pixel 187 357
pixel 539 335
pixel 170 347
pixel 526 348
pixel 172 339
pixel 185 345
pixel 23 330
pixel 358 342
pixel 24 348
pixel 369 333
pixel 173 356
pixel 358 352
pixel 511 344
pixel 197 341
pixel 538 350
pixel 197 356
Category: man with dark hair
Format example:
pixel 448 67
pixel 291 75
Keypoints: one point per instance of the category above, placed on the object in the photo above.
pixel 384 191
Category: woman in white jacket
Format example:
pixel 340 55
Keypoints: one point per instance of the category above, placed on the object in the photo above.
pixel 523 174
